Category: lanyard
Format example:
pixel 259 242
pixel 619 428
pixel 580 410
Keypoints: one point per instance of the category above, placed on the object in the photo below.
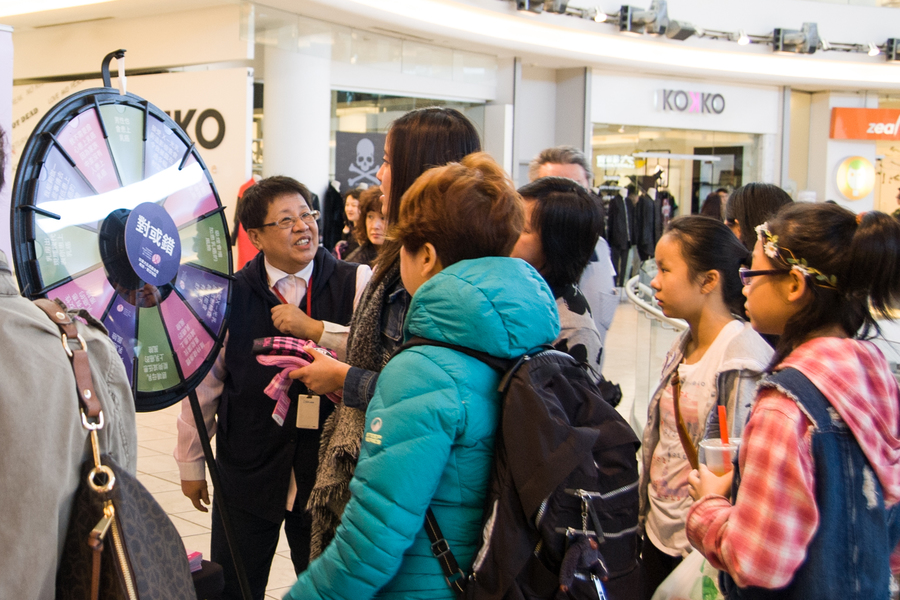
pixel 308 296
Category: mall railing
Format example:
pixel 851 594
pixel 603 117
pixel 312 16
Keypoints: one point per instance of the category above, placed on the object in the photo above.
pixel 654 334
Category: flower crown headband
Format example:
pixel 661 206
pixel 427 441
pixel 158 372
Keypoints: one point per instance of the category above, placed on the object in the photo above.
pixel 774 251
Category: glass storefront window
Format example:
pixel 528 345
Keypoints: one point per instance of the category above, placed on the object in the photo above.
pixel 269 26
pixel 614 161
pixel 887 165
pixel 359 112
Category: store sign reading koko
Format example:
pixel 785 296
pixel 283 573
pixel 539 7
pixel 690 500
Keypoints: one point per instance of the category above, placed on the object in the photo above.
pixel 184 122
pixel 693 102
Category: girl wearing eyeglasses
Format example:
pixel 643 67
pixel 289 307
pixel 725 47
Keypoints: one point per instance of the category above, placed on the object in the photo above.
pixel 817 482
pixel 716 361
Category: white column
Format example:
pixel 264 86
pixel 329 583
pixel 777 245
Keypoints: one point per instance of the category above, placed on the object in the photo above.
pixel 297 117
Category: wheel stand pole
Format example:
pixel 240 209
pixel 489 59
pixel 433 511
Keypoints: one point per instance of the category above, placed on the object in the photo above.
pixel 218 498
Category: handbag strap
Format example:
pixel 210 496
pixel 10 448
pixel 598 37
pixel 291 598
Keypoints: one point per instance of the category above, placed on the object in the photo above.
pixel 90 409
pixel 76 349
pixel 454 576
pixel 686 443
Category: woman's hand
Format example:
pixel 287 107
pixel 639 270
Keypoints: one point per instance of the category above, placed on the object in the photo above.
pixel 289 319
pixel 704 482
pixel 324 375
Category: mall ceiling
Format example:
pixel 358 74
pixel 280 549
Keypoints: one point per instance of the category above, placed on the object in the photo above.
pixel 552 41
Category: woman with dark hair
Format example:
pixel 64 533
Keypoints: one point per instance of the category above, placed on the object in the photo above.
pixel 712 206
pixel 751 205
pixel 716 361
pixel 369 232
pixel 349 241
pixel 417 141
pixel 562 225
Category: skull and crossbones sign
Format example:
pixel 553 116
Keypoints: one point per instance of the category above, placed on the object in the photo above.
pixel 364 167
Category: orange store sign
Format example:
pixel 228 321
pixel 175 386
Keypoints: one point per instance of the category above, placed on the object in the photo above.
pixel 865 123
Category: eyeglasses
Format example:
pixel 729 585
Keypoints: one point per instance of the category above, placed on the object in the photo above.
pixel 289 222
pixel 747 274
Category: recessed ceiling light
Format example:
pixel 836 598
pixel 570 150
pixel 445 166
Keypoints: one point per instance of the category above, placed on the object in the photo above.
pixel 9 8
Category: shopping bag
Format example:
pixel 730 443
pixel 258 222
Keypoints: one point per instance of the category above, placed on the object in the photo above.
pixel 693 579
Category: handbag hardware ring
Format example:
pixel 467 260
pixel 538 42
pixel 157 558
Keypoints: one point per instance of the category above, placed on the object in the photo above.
pixel 96 484
pixel 92 426
pixel 65 343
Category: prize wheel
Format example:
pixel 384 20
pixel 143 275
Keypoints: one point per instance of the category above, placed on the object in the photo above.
pixel 114 212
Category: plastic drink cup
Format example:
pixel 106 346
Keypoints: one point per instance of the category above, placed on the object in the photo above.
pixel 718 456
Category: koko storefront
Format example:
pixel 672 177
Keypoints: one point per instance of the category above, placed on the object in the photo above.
pixel 685 137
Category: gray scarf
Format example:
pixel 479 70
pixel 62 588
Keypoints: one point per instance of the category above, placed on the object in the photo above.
pixel 343 431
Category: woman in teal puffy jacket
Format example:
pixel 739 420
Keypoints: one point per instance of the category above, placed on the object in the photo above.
pixel 430 428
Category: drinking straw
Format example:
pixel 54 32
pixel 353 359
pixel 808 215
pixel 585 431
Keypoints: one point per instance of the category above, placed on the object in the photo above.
pixel 723 425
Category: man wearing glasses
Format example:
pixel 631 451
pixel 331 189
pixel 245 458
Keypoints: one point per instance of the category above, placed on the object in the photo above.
pixel 292 287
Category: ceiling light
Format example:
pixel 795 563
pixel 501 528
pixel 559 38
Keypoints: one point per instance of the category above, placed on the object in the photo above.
pixel 11 8
pixel 743 38
pixel 654 20
pixel 892 48
pixel 599 16
pixel 874 50
pixel 680 30
pixel 556 6
pixel 535 6
pixel 804 41
pixel 700 157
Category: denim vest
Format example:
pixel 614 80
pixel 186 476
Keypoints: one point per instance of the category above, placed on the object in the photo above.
pixel 848 557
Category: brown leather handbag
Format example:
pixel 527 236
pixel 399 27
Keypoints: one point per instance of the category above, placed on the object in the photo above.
pixel 120 544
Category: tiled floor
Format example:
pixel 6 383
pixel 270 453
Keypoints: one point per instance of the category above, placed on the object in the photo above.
pixel 634 350
pixel 158 473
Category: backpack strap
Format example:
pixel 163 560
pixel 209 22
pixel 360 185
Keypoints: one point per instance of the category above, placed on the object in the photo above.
pixel 505 366
pixel 454 576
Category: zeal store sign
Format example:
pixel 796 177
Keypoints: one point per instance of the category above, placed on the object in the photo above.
pixel 865 124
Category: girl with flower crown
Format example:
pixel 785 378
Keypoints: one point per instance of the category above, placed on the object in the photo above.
pixel 716 362
pixel 817 480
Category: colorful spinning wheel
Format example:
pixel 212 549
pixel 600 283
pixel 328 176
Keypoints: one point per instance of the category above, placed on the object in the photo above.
pixel 114 212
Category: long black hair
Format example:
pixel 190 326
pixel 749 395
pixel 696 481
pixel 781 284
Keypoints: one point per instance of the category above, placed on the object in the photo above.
pixel 708 245
pixel 569 222
pixel 419 140
pixel 861 252
pixel 752 204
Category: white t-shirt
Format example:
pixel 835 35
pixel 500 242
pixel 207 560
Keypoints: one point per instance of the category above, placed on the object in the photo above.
pixel 669 467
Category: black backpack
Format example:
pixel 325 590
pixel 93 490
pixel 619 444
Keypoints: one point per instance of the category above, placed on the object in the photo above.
pixel 564 467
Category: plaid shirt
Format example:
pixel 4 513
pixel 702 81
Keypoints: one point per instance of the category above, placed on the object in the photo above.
pixel 763 539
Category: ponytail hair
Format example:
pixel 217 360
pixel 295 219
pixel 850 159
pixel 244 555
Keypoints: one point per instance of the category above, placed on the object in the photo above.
pixel 861 252
pixel 708 245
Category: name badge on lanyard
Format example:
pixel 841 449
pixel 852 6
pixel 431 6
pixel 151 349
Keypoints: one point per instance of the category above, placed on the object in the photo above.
pixel 308 411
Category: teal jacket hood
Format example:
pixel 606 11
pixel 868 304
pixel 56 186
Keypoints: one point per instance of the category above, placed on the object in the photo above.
pixel 500 306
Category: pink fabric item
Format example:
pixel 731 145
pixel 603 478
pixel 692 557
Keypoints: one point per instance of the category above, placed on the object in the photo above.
pixel 278 387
